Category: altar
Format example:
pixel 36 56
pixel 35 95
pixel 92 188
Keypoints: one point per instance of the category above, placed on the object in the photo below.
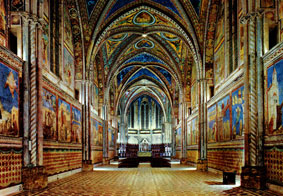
pixel 144 154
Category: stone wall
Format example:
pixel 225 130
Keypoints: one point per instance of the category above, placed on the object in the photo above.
pixel 97 156
pixel 61 160
pixel 192 155
pixel 62 130
pixel 225 126
pixel 10 168
pixel 274 164
pixel 96 139
pixel 225 159
pixel 178 154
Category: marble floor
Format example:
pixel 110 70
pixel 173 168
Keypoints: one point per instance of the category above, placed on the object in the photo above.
pixel 109 181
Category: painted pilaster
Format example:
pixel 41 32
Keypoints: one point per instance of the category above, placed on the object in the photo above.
pixel 33 133
pixel 260 91
pixel 87 123
pixel 86 97
pixel 87 160
pixel 253 92
pixel 122 128
pixel 246 90
pixel 26 153
pixel 115 141
pixel 167 133
pixel 202 164
pixel 184 132
pixel 84 143
pixel 105 135
pixel 86 128
pixel 227 40
pixel 39 98
pixel 253 173
pixel 173 139
pixel 33 93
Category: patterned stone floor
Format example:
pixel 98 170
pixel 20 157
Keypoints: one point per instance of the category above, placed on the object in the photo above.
pixel 146 181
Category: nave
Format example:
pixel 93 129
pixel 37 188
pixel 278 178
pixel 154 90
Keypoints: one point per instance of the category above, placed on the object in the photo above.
pixel 180 180
pixel 87 82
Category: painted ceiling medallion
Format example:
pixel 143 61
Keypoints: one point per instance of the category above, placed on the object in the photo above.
pixel 144 43
pixel 169 37
pixel 144 18
pixel 119 37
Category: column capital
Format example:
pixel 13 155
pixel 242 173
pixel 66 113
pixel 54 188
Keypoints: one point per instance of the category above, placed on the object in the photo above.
pixel 31 19
pixel 201 79
pixel 251 17
pixel 244 19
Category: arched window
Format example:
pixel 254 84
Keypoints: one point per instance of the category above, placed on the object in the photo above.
pixel 54 36
pixel 147 116
pixel 142 116
pixel 133 116
pixel 129 119
pixel 156 116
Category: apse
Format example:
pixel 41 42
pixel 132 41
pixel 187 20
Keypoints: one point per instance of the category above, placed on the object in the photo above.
pixel 145 120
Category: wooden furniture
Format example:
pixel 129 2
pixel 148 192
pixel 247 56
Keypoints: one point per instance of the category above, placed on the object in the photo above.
pixel 128 163
pixel 229 177
pixel 132 150
pixel 157 150
pixel 160 162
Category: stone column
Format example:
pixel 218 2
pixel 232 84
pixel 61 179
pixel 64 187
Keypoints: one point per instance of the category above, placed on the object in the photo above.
pixel 122 129
pixel 167 132
pixel 26 70
pixel 253 173
pixel 184 133
pixel 39 95
pixel 115 143
pixel 87 161
pixel 105 135
pixel 33 93
pixel 33 173
pixel 202 163
pixel 83 97
pixel 173 139
pixel 260 87
pixel 122 133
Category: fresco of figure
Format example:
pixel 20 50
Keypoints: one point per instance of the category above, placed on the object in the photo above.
pixel 275 98
pixel 49 115
pixel 9 101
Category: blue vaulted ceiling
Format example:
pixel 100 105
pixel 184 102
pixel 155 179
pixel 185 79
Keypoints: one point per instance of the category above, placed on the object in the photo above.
pixel 196 5
pixel 90 6
pixel 120 3
pixel 144 58
pixel 126 70
pixel 140 98
pixel 166 74
pixel 122 74
pixel 144 72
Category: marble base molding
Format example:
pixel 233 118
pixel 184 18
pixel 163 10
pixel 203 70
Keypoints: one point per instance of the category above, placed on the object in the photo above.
pixel 106 161
pixel 253 177
pixel 34 178
pixel 87 165
pixel 202 165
